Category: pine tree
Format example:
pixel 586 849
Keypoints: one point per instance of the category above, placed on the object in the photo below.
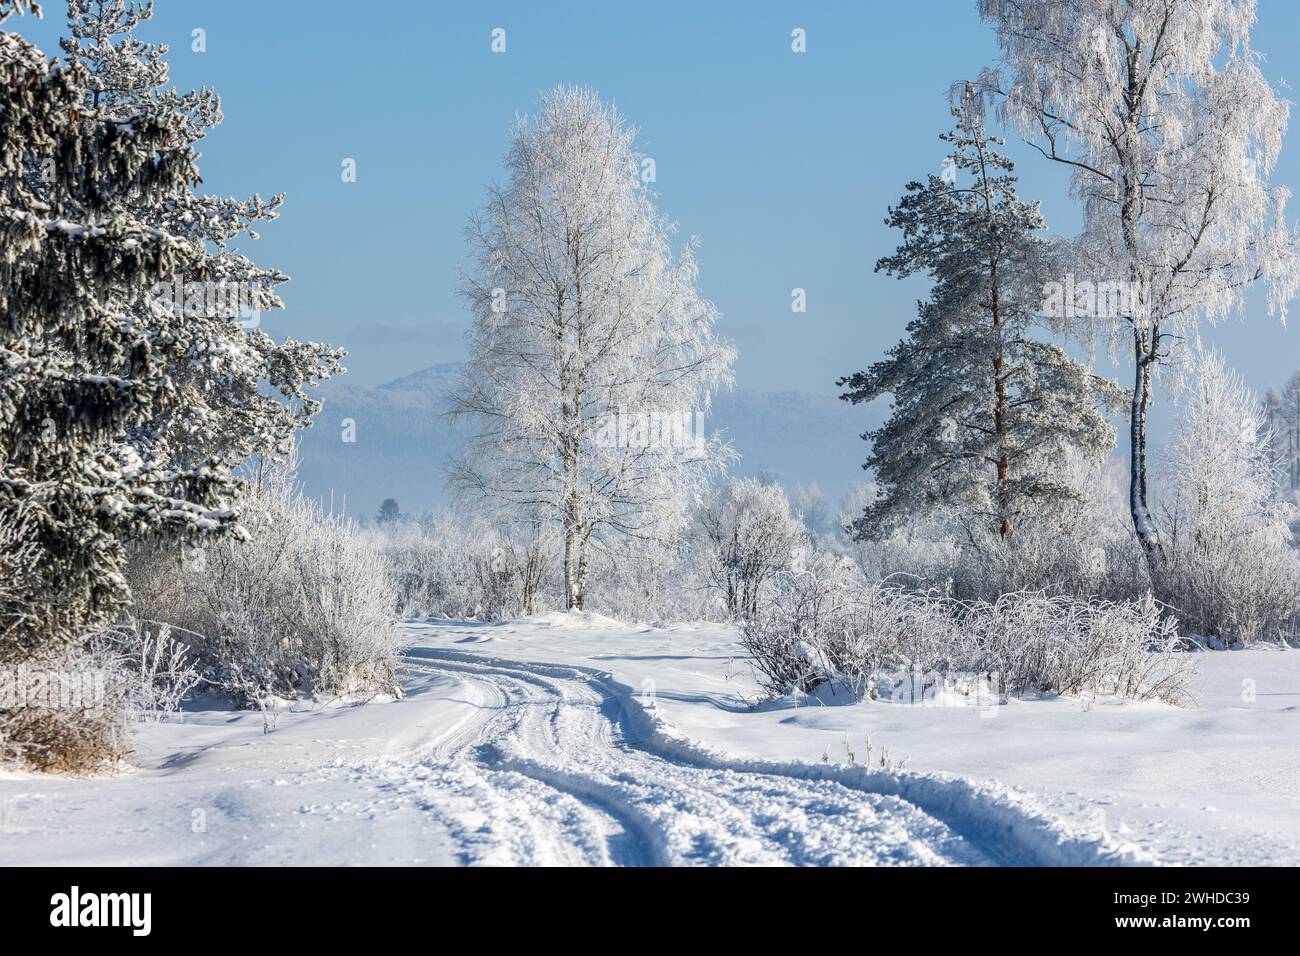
pixel 77 371
pixel 592 354
pixel 982 412
pixel 389 511
pixel 237 393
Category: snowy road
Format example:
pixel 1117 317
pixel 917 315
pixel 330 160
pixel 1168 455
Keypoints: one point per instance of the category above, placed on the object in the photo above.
pixel 494 757
pixel 545 770
pixel 558 764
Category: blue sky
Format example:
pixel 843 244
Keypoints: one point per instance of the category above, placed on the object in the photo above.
pixel 782 163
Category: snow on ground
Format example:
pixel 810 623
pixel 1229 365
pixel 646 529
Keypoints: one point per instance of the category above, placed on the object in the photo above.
pixel 1217 782
pixel 578 740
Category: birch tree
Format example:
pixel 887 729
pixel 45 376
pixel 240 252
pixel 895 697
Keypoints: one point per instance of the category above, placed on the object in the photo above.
pixel 1159 110
pixel 983 413
pixel 593 355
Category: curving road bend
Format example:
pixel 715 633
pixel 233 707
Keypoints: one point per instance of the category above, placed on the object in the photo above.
pixel 547 764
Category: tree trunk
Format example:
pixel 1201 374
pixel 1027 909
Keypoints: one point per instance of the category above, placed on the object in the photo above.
pixel 581 597
pixel 572 534
pixel 570 565
pixel 1000 425
pixel 1145 357
pixel 1146 338
pixel 1293 436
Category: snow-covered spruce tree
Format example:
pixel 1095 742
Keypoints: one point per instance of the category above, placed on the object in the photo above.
pixel 1231 570
pixel 237 393
pixel 77 371
pixel 1170 130
pixel 982 412
pixel 592 352
pixel 746 533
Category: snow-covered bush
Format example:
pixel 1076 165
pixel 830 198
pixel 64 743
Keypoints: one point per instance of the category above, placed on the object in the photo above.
pixel 1085 548
pixel 63 739
pixel 826 623
pixel 468 567
pixel 746 534
pixel 471 567
pixel 67 712
pixel 305 606
pixel 794 635
pixel 42 726
pixel 157 669
pixel 653 581
pixel 71 712
pixel 1232 571
pixel 1040 643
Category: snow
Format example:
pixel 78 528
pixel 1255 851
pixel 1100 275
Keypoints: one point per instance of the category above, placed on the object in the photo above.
pixel 575 618
pixel 571 739
pixel 1142 772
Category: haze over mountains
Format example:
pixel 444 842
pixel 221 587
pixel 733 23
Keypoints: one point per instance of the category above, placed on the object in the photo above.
pixel 402 442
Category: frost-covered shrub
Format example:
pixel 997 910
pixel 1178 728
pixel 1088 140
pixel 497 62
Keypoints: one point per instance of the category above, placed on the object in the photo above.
pixel 745 533
pixel 467 567
pixel 70 712
pixel 470 567
pixel 44 725
pixel 305 606
pixel 157 669
pixel 65 713
pixel 794 636
pixel 1232 568
pixel 1085 548
pixel 1041 643
pixel 827 623
pixel 64 740
pixel 653 581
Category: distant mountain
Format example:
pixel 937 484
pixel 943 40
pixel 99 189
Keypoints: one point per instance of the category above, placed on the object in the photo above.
pixel 402 442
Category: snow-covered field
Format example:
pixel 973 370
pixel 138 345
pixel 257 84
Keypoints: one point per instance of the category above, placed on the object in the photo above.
pixel 579 740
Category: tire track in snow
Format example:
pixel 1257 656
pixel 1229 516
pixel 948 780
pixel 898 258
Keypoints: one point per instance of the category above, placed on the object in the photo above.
pixel 626 749
pixel 565 730
pixel 608 835
pixel 702 814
